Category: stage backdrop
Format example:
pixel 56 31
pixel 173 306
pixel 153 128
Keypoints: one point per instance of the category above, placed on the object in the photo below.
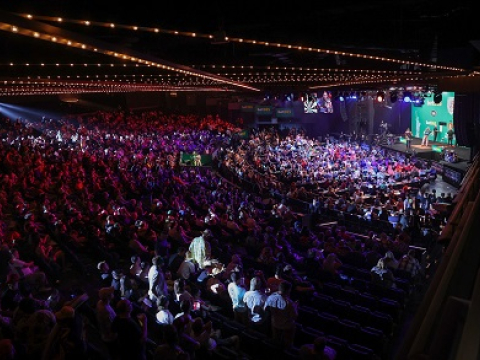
pixel 431 114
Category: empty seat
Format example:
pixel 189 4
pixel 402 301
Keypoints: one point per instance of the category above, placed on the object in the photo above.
pixel 367 300
pixel 331 289
pixel 372 338
pixel 348 270
pixel 327 322
pixel 349 295
pixel 391 307
pixel 359 352
pixel 360 314
pixel 340 308
pixel 251 341
pixel 231 328
pixel 347 329
pixel 307 316
pixel 359 284
pixel 382 321
pixel 321 302
pixel 306 335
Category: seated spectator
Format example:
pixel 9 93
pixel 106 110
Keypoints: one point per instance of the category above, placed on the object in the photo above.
pixel 319 350
pixel 411 264
pixel 169 348
pixel 332 264
pixel 209 339
pixel 382 275
pixel 389 261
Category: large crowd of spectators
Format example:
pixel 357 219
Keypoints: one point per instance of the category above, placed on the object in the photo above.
pixel 173 244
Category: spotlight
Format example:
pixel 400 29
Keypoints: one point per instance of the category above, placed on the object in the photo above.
pixel 437 97
pixel 407 96
pixel 380 96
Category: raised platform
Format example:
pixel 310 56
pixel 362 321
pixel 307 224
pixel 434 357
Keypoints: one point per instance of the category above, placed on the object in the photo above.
pixel 452 172
pixel 430 151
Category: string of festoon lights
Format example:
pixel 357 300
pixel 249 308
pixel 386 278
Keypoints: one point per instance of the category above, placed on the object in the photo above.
pixel 219 67
pixel 9 88
pixel 88 47
pixel 241 41
pixel 294 74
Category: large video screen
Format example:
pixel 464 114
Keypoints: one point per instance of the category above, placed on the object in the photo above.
pixel 321 102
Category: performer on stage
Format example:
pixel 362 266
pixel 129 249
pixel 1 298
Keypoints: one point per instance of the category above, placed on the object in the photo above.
pixel 426 134
pixel 435 133
pixel 408 138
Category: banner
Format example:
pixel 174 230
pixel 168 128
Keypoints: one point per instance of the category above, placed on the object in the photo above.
pixel 284 112
pixel 247 107
pixel 431 114
pixel 263 110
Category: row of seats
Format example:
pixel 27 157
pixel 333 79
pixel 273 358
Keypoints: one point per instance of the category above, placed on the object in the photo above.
pixel 257 345
pixel 344 311
pixel 342 305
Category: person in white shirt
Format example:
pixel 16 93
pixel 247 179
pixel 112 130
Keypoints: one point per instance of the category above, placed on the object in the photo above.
pixel 255 299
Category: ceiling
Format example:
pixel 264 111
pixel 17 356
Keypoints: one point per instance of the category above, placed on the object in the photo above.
pixel 238 47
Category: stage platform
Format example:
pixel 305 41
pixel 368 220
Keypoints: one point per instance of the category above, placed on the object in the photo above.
pixel 428 152
pixel 452 172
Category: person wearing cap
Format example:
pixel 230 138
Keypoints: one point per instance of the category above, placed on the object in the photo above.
pixel 200 248
pixel 105 316
pixel 131 332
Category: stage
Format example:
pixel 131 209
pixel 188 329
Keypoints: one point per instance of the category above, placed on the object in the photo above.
pixel 451 172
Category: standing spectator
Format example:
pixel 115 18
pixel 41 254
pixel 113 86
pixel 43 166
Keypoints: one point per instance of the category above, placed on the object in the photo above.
pixel 255 299
pixel 200 248
pixel 131 333
pixel 187 268
pixel 283 313
pixel 176 259
pixel 156 280
pixel 236 293
pixel 105 316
